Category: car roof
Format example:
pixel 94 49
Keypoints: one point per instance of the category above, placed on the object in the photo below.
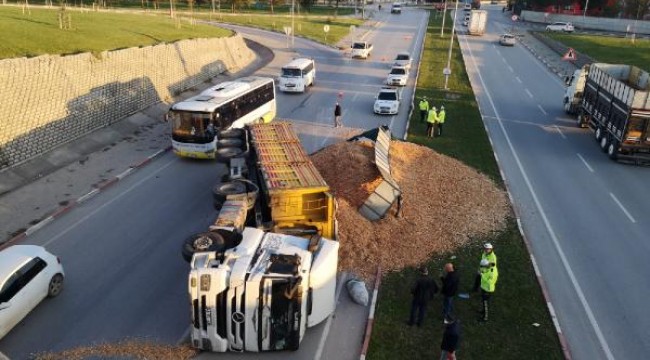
pixel 16 255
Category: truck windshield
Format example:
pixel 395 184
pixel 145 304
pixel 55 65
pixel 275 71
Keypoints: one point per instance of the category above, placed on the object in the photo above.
pixel 358 46
pixel 387 96
pixel 290 72
pixel 398 71
pixel 191 126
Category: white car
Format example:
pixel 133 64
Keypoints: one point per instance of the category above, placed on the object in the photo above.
pixel 398 76
pixel 403 59
pixel 28 274
pixel 507 40
pixel 387 101
pixel 560 26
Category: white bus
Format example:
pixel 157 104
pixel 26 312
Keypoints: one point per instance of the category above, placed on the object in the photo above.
pixel 197 121
pixel 297 75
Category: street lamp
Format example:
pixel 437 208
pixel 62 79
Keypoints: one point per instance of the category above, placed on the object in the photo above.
pixel 444 15
pixel 293 23
pixel 447 70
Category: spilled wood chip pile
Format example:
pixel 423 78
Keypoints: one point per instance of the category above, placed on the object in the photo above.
pixel 128 349
pixel 445 204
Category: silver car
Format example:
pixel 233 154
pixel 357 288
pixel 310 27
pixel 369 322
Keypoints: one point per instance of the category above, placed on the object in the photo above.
pixel 560 26
pixel 507 40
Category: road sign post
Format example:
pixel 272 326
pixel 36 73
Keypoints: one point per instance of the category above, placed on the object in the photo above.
pixel 326 29
pixel 288 30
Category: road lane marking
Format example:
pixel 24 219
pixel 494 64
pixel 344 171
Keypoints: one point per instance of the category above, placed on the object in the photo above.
pixel 354 98
pixel 328 324
pixel 547 223
pixel 622 208
pixel 586 163
pixel 511 69
pixel 518 79
pixel 117 197
pixel 559 131
pixel 185 335
pixel 542 109
pixel 529 93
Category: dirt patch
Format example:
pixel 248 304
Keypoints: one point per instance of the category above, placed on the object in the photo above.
pixel 134 349
pixel 445 204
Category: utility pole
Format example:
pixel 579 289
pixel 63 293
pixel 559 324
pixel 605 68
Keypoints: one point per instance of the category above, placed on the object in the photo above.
pixel 451 44
pixel 444 15
pixel 584 15
pixel 293 21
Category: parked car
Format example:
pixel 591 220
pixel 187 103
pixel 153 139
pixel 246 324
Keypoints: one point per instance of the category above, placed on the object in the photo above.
pixel 507 40
pixel 403 59
pixel 560 26
pixel 28 274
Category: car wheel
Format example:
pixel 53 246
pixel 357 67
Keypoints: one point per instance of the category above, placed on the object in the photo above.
pixel 201 242
pixel 234 190
pixel 224 154
pixel 55 286
pixel 612 150
pixel 230 142
pixel 603 143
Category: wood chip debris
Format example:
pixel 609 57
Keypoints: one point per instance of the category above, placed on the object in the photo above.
pixel 130 349
pixel 445 204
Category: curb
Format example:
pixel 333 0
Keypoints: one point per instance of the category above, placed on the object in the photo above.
pixel 417 76
pixel 371 316
pixel 98 188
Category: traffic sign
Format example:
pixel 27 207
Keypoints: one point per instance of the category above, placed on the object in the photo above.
pixel 287 30
pixel 326 28
pixel 570 55
pixel 515 17
pixel 446 71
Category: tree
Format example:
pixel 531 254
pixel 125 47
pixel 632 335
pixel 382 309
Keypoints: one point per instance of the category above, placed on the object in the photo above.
pixel 636 9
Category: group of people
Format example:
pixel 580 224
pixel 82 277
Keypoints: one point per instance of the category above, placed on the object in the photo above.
pixel 425 288
pixel 435 119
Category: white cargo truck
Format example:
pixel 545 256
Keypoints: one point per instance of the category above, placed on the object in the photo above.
pixel 477 22
pixel 261 290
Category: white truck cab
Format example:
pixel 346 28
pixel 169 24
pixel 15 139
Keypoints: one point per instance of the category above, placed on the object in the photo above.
pixel 575 88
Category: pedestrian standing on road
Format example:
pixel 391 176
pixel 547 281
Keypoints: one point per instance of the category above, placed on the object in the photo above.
pixel 423 291
pixel 489 276
pixel 337 115
pixel 424 109
pixel 432 119
pixel 449 289
pixel 450 339
pixel 489 255
pixel 441 119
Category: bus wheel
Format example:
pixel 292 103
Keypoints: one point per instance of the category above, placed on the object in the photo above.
pixel 234 190
pixel 612 150
pixel 229 142
pixel 207 241
pixel 231 134
pixel 224 154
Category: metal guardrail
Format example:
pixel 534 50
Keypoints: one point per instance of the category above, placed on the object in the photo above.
pixel 388 191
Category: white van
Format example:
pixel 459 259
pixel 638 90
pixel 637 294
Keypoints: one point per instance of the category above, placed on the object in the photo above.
pixel 297 75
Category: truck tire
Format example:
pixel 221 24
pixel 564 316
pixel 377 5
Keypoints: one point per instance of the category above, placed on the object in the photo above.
pixel 230 142
pixel 603 143
pixel 234 190
pixel 224 154
pixel 207 241
pixel 231 134
pixel 599 134
pixel 612 150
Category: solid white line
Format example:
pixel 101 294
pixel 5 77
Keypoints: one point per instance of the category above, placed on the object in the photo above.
pixel 321 343
pixel 542 109
pixel 529 93
pixel 535 267
pixel 518 79
pixel 586 163
pixel 115 198
pixel 559 131
pixel 565 262
pixel 622 208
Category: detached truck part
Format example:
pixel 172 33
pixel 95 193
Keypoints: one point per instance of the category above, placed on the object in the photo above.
pixel 262 292
pixel 616 105
pixel 477 22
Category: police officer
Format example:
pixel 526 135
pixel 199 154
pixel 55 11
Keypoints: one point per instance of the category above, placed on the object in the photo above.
pixel 489 255
pixel 489 276
pixel 432 119
pixel 424 109
pixel 441 119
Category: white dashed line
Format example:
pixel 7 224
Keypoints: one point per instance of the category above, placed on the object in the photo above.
pixel 518 79
pixel 529 93
pixel 559 131
pixel 511 69
pixel 542 109
pixel 622 208
pixel 585 162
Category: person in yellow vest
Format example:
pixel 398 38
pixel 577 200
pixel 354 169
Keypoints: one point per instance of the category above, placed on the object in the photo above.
pixel 489 255
pixel 489 276
pixel 424 109
pixel 441 119
pixel 432 119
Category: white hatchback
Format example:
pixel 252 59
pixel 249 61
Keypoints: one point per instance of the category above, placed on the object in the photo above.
pixel 28 274
pixel 560 26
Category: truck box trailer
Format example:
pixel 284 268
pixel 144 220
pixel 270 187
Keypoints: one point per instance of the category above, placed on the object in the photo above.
pixel 477 22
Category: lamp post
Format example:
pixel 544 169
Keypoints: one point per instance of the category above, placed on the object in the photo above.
pixel 293 21
pixel 584 15
pixel 444 15
pixel 447 70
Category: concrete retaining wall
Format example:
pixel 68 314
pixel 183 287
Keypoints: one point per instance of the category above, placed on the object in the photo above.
pixel 594 23
pixel 48 101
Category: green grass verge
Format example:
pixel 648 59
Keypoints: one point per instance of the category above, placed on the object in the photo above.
pixel 518 302
pixel 37 32
pixel 306 26
pixel 609 49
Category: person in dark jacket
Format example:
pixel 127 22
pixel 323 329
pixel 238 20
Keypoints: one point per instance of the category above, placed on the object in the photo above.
pixel 422 292
pixel 450 339
pixel 449 289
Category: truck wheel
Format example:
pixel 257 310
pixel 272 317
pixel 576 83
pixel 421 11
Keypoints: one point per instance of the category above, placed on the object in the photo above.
pixel 234 190
pixel 231 134
pixel 224 154
pixel 612 150
pixel 603 143
pixel 230 142
pixel 599 134
pixel 207 241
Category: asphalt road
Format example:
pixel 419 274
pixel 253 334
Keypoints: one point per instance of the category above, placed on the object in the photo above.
pixel 121 249
pixel 583 213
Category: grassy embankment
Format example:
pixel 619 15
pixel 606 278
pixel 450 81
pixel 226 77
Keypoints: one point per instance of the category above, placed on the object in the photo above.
pixel 518 303
pixel 37 32
pixel 609 49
